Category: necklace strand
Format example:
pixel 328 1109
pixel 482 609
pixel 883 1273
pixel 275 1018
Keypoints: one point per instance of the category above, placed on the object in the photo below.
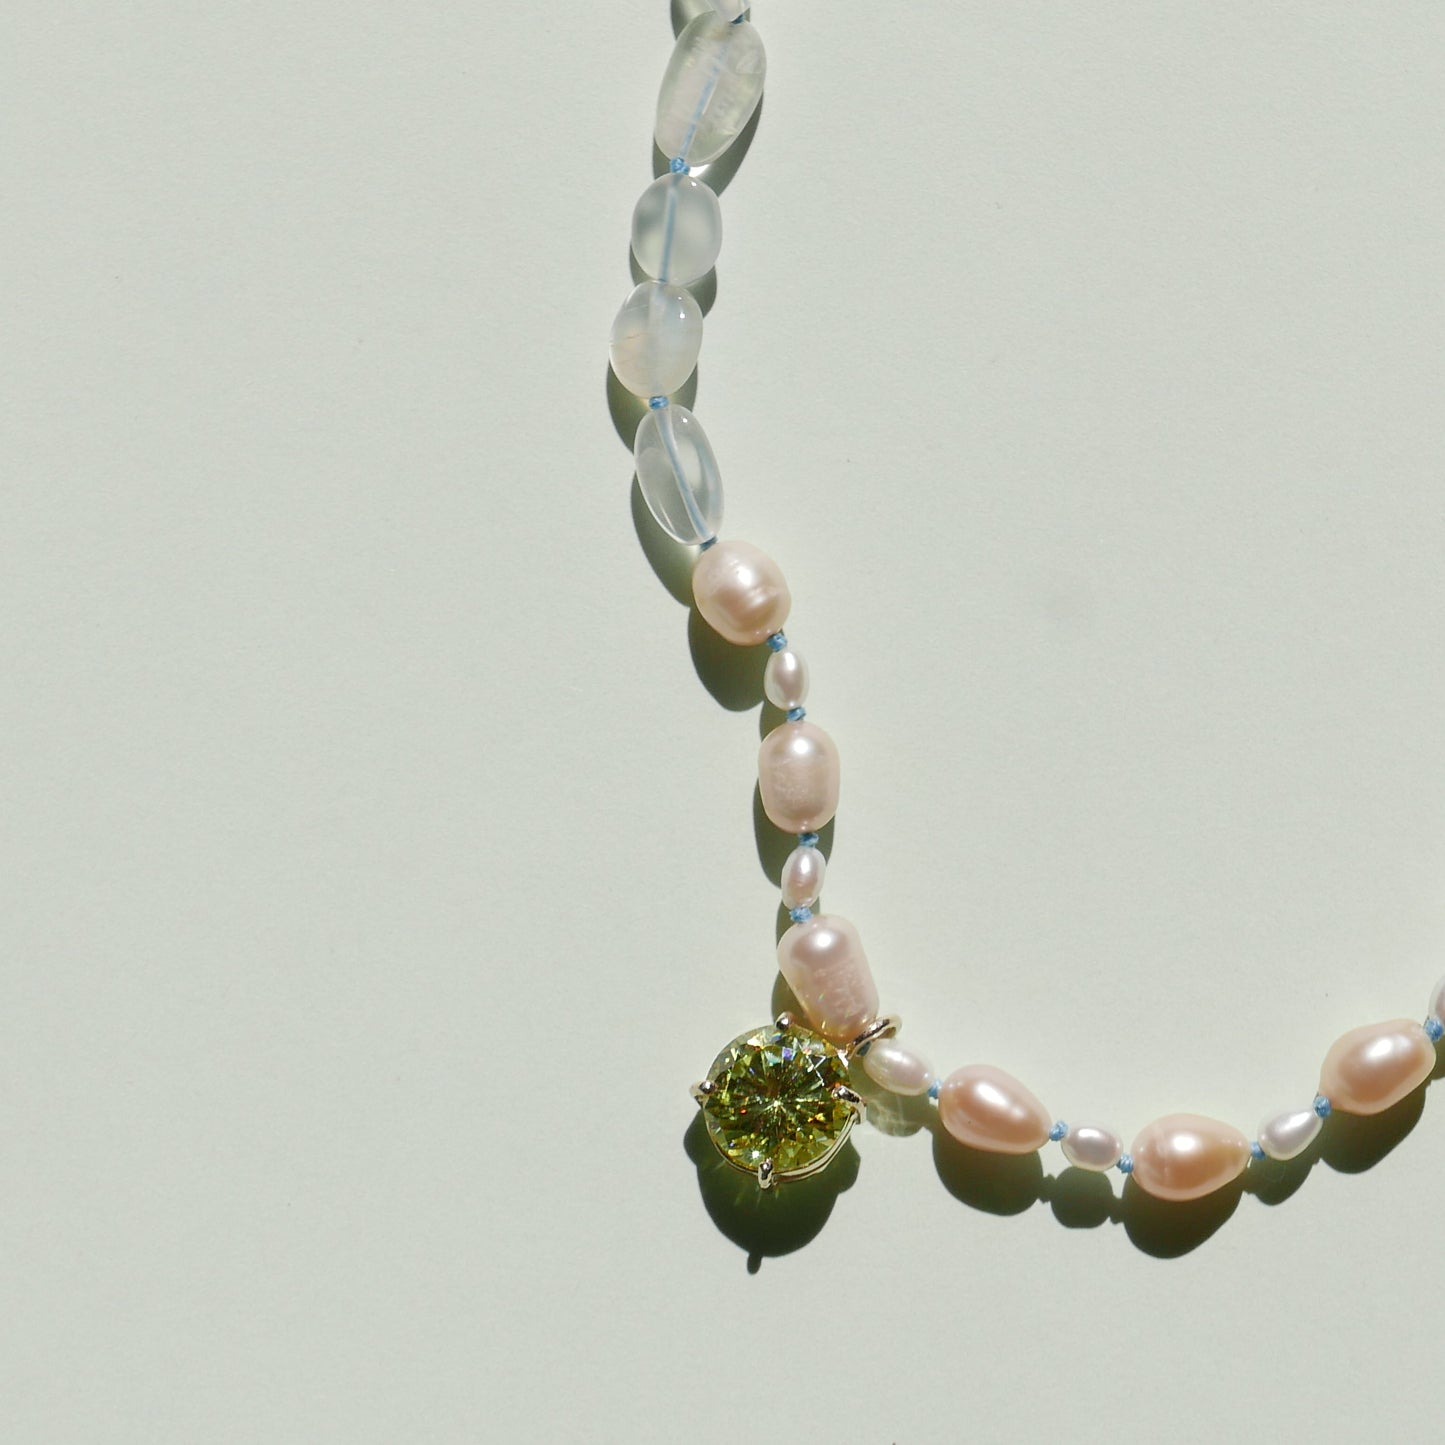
pixel 778 1100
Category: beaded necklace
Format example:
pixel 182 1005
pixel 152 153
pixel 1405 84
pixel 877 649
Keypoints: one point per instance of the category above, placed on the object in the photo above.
pixel 779 1101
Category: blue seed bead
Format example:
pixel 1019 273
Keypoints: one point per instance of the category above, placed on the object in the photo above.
pixel 1125 1164
pixel 778 641
pixel 1256 1150
pixel 657 402
pixel 678 166
pixel 797 714
pixel 800 915
pixel 934 1089
pixel 1058 1131
pixel 1435 1029
pixel 807 840
pixel 1322 1106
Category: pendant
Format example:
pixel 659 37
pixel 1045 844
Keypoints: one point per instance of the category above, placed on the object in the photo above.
pixel 777 1101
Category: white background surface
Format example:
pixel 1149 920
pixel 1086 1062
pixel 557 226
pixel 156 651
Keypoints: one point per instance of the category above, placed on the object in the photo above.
pixel 381 867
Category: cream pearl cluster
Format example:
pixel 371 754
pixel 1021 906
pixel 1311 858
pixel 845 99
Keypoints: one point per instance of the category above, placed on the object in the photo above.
pixel 709 92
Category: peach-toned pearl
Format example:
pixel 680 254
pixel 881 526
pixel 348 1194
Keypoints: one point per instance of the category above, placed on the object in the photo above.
pixel 823 962
pixel 988 1109
pixel 1372 1067
pixel 802 877
pixel 897 1069
pixel 740 592
pixel 1186 1156
pixel 798 774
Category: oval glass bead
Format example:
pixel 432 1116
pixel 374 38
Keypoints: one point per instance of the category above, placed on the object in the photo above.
pixel 823 962
pixel 802 877
pixel 785 679
pixel 1288 1134
pixel 677 229
pixel 677 473
pixel 798 776
pixel 1087 1146
pixel 710 89
pixel 1186 1156
pixel 656 338
pixel 897 1069
pixel 1371 1068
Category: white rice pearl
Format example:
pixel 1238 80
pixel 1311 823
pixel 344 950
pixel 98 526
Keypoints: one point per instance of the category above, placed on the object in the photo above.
pixel 785 679
pixel 1087 1146
pixel 823 962
pixel 802 877
pixel 1287 1135
pixel 1186 1156
pixel 710 89
pixel 1437 1002
pixel 677 229
pixel 677 473
pixel 897 1069
pixel 656 339
pixel 798 776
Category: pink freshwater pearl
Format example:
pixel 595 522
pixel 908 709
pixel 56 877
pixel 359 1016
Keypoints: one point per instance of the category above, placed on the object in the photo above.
pixel 823 961
pixel 740 592
pixel 1370 1068
pixel 1186 1156
pixel 798 776
pixel 985 1108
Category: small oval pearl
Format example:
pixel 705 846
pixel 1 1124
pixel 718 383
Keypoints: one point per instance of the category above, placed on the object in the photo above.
pixel 897 1069
pixel 656 338
pixel 1087 1146
pixel 785 679
pixel 802 877
pixel 1370 1068
pixel 823 962
pixel 710 88
pixel 677 229
pixel 798 776
pixel 1288 1134
pixel 1186 1156
pixel 740 592
pixel 1437 1001
pixel 677 474
pixel 985 1108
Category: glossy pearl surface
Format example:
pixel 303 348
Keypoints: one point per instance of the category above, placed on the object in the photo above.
pixel 656 339
pixel 1370 1068
pixel 740 592
pixel 985 1108
pixel 677 473
pixel 798 776
pixel 710 88
pixel 802 877
pixel 823 962
pixel 1288 1134
pixel 785 679
pixel 897 1069
pixel 677 229
pixel 1088 1146
pixel 1186 1156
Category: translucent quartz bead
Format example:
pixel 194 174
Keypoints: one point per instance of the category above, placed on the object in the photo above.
pixel 678 474
pixel 802 877
pixel 897 1069
pixel 731 9
pixel 710 89
pixel 785 679
pixel 1088 1146
pixel 677 229
pixel 656 339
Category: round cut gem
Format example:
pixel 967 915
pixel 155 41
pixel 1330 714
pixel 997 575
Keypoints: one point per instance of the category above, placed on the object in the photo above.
pixel 772 1099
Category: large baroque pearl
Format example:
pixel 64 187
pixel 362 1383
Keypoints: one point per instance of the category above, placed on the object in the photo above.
pixel 1186 1156
pixel 985 1108
pixel 740 592
pixel 798 776
pixel 1372 1067
pixel 823 962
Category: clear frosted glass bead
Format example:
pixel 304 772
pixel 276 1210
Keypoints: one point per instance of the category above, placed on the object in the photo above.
pixel 656 339
pixel 710 89
pixel 731 9
pixel 677 229
pixel 677 474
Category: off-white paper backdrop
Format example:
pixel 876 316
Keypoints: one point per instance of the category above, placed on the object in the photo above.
pixel 380 865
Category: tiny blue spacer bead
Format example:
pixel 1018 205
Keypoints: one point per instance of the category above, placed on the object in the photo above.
pixel 797 714
pixel 807 840
pixel 1322 1106
pixel 1125 1164
pixel 678 166
pixel 934 1089
pixel 800 915
pixel 657 402
pixel 1058 1131
pixel 1435 1029
pixel 778 641
pixel 710 542
pixel 1256 1150
pixel 863 1048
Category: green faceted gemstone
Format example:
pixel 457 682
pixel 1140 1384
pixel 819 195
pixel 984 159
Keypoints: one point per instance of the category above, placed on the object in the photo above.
pixel 773 1100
